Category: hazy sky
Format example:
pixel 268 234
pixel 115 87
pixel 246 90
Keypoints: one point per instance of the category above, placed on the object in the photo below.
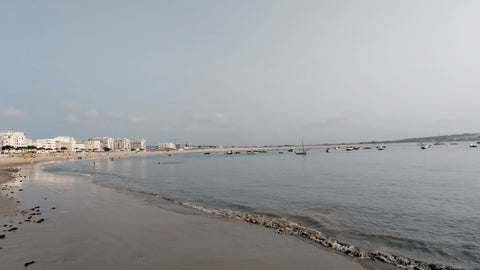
pixel 240 72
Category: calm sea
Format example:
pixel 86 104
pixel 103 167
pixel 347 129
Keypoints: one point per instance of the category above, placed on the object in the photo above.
pixel 423 204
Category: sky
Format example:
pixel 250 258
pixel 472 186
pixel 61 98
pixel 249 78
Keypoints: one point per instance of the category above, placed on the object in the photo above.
pixel 263 72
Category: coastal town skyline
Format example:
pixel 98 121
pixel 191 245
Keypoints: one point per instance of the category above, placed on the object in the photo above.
pixel 240 73
pixel 15 139
pixel 19 140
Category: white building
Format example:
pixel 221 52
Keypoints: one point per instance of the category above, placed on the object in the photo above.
pixel 103 141
pixel 81 146
pixel 138 144
pixel 57 143
pixel 167 146
pixel 13 138
pixel 46 144
pixel 64 143
pixel 122 144
pixel 88 146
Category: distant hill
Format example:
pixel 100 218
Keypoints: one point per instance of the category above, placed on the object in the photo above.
pixel 442 138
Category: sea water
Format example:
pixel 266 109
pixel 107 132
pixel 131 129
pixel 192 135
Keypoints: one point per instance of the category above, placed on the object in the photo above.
pixel 423 204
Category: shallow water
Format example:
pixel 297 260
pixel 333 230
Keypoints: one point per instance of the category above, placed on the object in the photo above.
pixel 423 204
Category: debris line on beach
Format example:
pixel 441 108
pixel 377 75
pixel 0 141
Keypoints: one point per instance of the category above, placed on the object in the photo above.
pixel 287 227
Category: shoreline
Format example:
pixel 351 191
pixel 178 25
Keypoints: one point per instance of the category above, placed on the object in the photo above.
pixel 185 239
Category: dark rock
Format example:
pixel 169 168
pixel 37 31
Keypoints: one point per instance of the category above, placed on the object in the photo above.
pixel 13 229
pixel 40 220
pixel 28 263
pixel 2 236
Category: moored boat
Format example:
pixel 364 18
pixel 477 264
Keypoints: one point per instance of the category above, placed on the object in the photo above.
pixel 425 146
pixel 303 153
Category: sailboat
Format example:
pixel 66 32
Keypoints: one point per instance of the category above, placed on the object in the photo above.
pixel 303 153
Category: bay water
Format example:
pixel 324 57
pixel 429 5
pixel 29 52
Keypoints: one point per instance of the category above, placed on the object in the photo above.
pixel 423 204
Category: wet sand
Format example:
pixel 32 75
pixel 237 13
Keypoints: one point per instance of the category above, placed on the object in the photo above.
pixel 7 204
pixel 70 223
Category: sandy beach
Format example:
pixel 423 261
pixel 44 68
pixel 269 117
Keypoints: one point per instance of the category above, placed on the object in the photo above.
pixel 63 221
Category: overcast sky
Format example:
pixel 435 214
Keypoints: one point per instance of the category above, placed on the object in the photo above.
pixel 240 72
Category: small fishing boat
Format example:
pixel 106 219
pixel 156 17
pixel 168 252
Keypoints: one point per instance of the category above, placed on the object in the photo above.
pixel 206 153
pixel 328 150
pixel 348 148
pixel 473 145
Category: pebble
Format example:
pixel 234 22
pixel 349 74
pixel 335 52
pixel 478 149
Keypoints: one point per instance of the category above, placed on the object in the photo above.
pixel 40 220
pixel 28 263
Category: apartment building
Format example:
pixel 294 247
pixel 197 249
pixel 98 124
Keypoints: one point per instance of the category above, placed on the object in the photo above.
pixel 138 144
pixel 13 138
pixel 122 144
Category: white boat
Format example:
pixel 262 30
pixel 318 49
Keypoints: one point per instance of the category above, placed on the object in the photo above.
pixel 425 146
pixel 303 153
